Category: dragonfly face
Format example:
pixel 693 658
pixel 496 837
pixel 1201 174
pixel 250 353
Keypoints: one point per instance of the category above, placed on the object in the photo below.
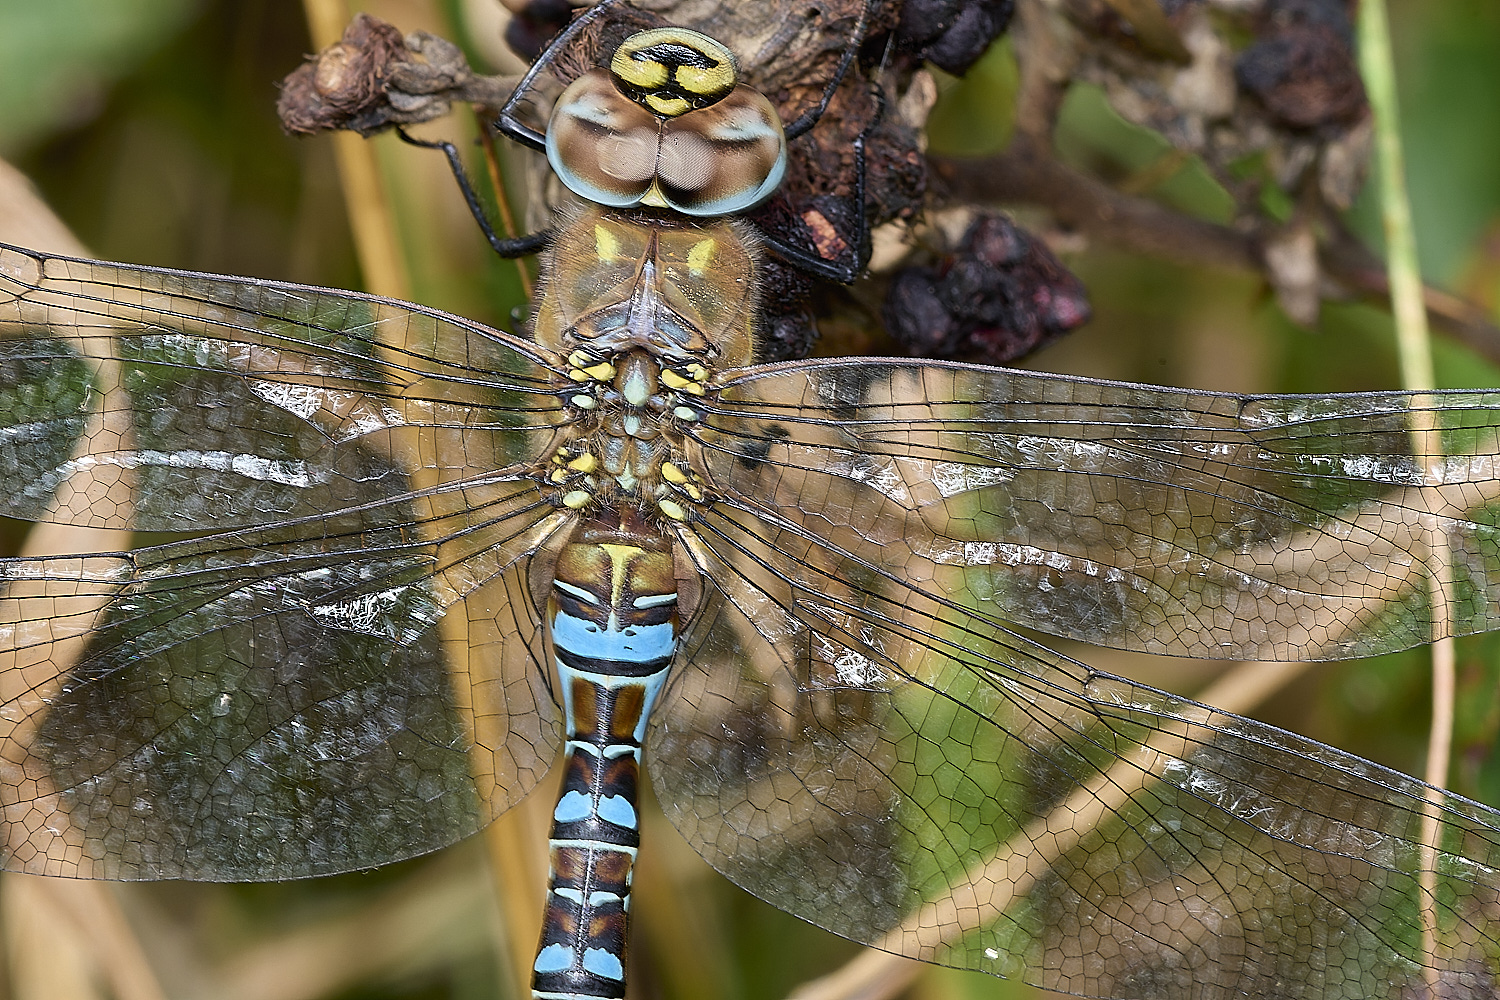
pixel 418 544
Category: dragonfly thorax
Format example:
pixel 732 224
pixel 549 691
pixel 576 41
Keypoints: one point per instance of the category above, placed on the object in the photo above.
pixel 681 289
pixel 627 445
pixel 645 309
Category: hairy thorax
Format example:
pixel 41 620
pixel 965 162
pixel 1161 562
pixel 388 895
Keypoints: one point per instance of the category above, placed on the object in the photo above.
pixel 646 307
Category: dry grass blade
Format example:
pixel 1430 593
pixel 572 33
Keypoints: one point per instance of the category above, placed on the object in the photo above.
pixel 418 923
pixel 375 241
pixel 517 859
pixel 1415 353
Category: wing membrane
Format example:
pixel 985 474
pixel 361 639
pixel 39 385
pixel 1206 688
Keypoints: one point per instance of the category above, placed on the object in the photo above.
pixel 923 779
pixel 1123 515
pixel 220 401
pixel 355 674
pixel 289 700
pixel 352 668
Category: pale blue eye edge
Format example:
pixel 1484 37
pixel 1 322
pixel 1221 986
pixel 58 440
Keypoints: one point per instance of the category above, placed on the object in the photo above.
pixel 728 205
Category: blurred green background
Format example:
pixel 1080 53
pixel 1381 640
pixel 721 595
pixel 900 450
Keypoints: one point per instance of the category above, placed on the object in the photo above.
pixel 149 126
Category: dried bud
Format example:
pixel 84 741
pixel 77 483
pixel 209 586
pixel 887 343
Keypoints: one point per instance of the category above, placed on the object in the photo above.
pixel 534 25
pixel 374 78
pixel 785 322
pixel 1303 69
pixel 998 297
pixel 344 85
pixel 952 34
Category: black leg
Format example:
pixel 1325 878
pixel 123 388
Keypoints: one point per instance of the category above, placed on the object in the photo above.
pixel 850 265
pixel 512 127
pixel 810 117
pixel 518 246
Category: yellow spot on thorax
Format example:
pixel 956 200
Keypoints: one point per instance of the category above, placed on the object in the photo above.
pixel 681 383
pixel 701 257
pixel 606 244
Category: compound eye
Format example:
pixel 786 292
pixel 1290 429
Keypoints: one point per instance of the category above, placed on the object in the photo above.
pixel 722 159
pixel 603 146
pixel 667 137
pixel 671 71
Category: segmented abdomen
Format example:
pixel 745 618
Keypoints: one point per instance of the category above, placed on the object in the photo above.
pixel 613 615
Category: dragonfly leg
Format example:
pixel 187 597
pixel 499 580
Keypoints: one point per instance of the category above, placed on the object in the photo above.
pixel 517 246
pixel 809 118
pixel 512 127
pixel 849 264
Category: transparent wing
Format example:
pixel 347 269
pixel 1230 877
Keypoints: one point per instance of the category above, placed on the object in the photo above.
pixel 348 675
pixel 298 699
pixel 192 401
pixel 1168 521
pixel 918 776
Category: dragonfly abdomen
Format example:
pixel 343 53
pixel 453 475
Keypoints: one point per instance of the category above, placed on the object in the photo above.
pixel 613 616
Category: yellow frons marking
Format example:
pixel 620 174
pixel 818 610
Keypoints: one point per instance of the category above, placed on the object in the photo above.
pixel 576 500
pixel 692 491
pixel 672 510
pixel 717 79
pixel 674 380
pixel 584 463
pixel 605 244
pixel 701 257
pixel 638 72
pixel 672 473
pixel 602 372
pixel 635 66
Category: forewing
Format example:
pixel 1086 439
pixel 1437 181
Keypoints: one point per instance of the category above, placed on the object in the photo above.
pixel 866 753
pixel 1169 521
pixel 166 400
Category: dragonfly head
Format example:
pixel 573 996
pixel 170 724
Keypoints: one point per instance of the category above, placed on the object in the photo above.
pixel 667 126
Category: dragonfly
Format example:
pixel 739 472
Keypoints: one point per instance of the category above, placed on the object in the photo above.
pixel 410 561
